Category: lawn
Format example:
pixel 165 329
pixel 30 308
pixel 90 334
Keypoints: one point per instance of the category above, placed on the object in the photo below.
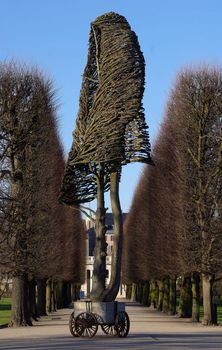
pixel 219 314
pixel 5 310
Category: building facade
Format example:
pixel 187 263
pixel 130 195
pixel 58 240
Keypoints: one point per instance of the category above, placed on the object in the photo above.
pixel 90 244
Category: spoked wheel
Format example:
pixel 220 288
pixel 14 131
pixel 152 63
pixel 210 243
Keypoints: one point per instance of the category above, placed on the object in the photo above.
pixel 99 319
pixel 72 325
pixel 109 330
pixel 122 324
pixel 86 325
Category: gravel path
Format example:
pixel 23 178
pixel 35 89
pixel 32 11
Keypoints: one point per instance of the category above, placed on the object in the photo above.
pixel 149 330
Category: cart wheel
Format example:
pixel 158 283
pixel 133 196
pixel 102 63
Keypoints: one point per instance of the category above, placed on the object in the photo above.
pixel 72 325
pixel 109 330
pixel 86 325
pixel 99 319
pixel 122 324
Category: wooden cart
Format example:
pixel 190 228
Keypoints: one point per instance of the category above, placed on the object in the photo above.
pixel 88 316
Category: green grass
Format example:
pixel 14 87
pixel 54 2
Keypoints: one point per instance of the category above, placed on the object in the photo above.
pixel 219 314
pixel 5 310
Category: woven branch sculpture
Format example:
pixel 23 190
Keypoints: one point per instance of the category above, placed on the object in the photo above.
pixel 110 125
pixel 110 129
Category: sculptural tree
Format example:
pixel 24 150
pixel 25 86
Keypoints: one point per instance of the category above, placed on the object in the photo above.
pixel 110 132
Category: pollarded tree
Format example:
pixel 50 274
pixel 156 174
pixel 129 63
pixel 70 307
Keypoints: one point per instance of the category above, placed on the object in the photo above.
pixel 27 115
pixel 110 132
pixel 196 111
pixel 154 218
pixel 35 226
pixel 60 228
pixel 21 99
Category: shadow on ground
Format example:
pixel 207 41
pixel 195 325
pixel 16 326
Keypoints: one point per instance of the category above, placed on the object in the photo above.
pixel 133 341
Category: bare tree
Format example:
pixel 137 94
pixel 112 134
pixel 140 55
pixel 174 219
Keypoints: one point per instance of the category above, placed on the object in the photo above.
pixel 34 226
pixel 60 230
pixel 196 110
pixel 154 218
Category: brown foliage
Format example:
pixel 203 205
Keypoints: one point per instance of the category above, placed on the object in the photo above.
pixel 151 227
pixel 196 108
pixel 174 224
pixel 34 225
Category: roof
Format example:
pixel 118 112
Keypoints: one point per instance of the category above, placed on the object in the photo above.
pixel 109 218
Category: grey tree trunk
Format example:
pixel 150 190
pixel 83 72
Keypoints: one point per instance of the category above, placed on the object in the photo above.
pixel 20 308
pixel 41 297
pixel 207 281
pixel 99 267
pixel 154 294
pixel 112 290
pixel 185 305
pixel 53 297
pixel 133 292
pixel 172 296
pixel 161 293
pixel 32 299
pixel 48 296
pixel 166 295
pixel 146 293
pixel 195 280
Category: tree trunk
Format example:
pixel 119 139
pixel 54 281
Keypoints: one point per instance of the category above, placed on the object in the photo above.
pixel 185 305
pixel 133 292
pixel 111 292
pixel 139 292
pixel 154 292
pixel 172 296
pixel 207 281
pixel 68 298
pixel 99 267
pixel 166 295
pixel 53 296
pixel 75 290
pixel 60 294
pixel 160 297
pixel 146 292
pixel 32 299
pixel 48 296
pixel 20 310
pixel 195 280
pixel 63 294
pixel 41 297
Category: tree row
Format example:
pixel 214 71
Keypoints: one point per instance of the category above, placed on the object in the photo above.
pixel 174 228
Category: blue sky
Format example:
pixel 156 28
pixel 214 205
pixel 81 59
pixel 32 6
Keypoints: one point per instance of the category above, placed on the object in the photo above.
pixel 53 34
